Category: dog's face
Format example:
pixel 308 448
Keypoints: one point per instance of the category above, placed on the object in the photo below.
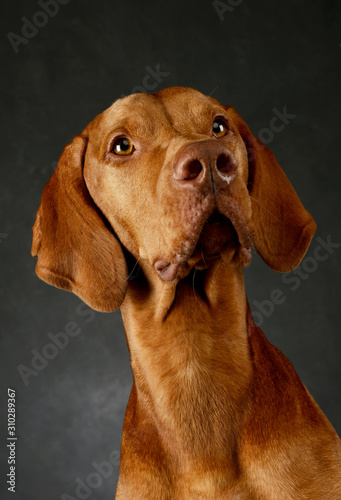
pixel 163 173
pixel 181 181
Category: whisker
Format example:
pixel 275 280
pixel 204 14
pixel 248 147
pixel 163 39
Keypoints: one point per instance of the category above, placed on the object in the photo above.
pixel 203 258
pixel 214 90
pixel 195 295
pixel 131 273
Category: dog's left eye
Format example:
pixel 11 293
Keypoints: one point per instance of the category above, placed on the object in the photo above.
pixel 219 128
pixel 123 147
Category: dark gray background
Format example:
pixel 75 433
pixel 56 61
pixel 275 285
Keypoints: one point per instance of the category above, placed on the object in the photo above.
pixel 262 56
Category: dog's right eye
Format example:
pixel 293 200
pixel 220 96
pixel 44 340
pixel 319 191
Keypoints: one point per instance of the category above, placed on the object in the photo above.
pixel 123 147
pixel 219 128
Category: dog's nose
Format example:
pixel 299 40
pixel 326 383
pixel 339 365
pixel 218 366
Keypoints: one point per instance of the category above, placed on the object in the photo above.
pixel 201 160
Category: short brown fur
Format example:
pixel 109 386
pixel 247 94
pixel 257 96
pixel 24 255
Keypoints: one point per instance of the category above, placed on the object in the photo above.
pixel 215 412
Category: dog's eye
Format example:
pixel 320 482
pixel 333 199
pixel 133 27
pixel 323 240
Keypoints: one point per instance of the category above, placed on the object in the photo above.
pixel 219 128
pixel 123 146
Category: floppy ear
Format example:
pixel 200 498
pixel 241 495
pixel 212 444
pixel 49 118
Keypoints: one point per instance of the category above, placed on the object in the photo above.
pixel 75 248
pixel 283 228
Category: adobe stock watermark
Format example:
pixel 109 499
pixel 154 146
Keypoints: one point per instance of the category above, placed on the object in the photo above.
pixel 150 81
pixel 221 7
pixel 94 480
pixel 57 342
pixel 309 265
pixel 30 28
pixel 276 125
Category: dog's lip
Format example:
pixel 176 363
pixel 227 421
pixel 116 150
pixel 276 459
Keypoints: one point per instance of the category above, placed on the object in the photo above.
pixel 168 269
pixel 215 218
pixel 232 205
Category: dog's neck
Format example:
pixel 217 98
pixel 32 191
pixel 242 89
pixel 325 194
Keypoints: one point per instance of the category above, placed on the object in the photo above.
pixel 189 362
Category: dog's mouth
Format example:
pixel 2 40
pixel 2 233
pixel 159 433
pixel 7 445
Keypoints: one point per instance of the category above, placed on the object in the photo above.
pixel 217 235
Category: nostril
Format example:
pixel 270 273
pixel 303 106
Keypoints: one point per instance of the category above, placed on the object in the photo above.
pixel 188 171
pixel 226 163
pixel 193 170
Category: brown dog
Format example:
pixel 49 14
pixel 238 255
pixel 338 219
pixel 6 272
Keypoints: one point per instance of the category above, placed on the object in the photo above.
pixel 176 185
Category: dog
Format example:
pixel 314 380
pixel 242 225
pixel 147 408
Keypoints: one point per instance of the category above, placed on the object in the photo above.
pixel 155 208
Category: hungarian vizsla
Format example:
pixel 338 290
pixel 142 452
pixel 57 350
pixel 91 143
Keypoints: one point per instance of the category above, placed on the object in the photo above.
pixel 154 208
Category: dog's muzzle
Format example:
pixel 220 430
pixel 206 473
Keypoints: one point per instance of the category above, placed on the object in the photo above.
pixel 203 175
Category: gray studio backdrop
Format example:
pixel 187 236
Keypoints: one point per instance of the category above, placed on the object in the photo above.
pixel 63 62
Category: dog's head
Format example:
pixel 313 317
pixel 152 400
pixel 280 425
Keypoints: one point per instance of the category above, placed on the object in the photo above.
pixel 176 179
